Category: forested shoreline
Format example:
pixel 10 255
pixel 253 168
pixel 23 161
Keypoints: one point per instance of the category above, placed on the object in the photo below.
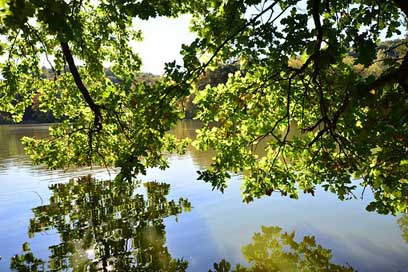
pixel 390 49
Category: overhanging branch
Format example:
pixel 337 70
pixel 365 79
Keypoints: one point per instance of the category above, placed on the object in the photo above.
pixel 78 81
pixel 399 75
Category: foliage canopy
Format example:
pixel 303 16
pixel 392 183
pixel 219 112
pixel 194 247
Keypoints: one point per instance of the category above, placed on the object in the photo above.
pixel 325 122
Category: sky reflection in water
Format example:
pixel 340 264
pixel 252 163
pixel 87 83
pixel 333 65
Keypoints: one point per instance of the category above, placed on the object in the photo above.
pixel 88 223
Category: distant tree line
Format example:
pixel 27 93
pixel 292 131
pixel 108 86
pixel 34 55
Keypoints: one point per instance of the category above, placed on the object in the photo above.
pixel 391 49
pixel 34 115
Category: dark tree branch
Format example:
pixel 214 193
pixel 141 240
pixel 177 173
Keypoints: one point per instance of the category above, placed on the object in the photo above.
pixel 253 20
pixel 403 5
pixel 10 51
pixel 317 137
pixel 319 34
pixel 399 75
pixel 313 127
pixel 84 91
pixel 37 35
pixel 319 39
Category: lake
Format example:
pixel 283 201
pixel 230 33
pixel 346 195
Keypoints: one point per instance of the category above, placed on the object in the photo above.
pixel 81 219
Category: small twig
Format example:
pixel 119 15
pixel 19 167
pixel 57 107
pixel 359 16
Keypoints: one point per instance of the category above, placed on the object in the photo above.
pixel 200 69
pixel 12 47
pixel 41 199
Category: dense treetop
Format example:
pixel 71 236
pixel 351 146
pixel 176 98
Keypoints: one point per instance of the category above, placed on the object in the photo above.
pixel 307 84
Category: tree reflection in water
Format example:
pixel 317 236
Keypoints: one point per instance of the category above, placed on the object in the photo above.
pixel 274 250
pixel 403 223
pixel 116 226
pixel 105 226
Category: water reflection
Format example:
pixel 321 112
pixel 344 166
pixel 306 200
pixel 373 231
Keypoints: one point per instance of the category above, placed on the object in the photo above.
pixel 274 250
pixel 217 227
pixel 26 261
pixel 11 149
pixel 187 129
pixel 403 223
pixel 105 225
pixel 10 138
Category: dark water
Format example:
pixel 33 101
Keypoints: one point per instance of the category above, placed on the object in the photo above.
pixel 66 221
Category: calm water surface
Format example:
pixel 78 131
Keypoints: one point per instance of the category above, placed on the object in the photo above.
pixel 71 221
